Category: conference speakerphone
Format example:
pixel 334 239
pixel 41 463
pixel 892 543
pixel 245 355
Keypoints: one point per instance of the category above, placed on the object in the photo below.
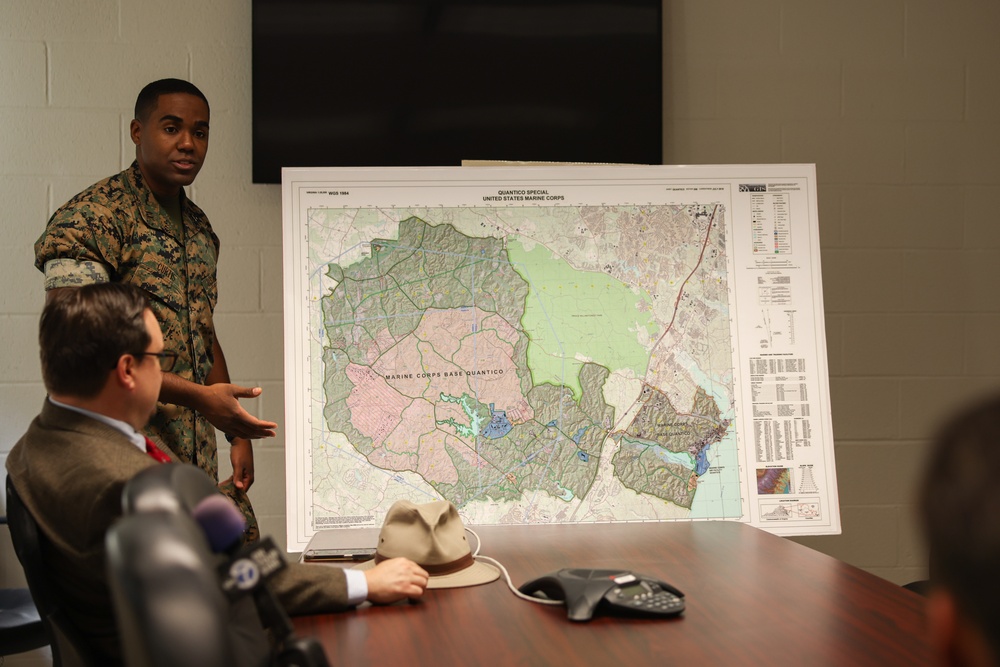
pixel 617 592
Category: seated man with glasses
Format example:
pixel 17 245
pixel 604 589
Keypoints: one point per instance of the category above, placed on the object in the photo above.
pixel 167 359
pixel 102 363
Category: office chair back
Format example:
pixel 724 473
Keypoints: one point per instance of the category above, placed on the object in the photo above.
pixel 21 627
pixel 69 647
pixel 170 608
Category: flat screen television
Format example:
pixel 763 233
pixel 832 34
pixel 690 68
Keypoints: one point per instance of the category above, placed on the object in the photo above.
pixel 425 83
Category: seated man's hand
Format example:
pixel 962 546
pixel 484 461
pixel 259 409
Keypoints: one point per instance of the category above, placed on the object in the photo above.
pixel 395 579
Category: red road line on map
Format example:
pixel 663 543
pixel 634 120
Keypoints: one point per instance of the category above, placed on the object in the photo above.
pixel 680 294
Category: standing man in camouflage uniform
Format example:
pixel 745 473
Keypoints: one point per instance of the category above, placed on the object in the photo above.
pixel 139 227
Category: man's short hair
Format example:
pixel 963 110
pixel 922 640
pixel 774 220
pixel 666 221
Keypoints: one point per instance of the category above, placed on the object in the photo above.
pixel 960 510
pixel 146 100
pixel 83 332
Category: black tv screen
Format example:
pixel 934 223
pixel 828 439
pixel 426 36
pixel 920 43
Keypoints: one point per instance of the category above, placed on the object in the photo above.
pixel 422 83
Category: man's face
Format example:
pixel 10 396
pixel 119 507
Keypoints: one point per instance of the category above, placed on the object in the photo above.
pixel 171 142
pixel 149 377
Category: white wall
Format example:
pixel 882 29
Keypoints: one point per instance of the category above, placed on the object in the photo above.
pixel 896 101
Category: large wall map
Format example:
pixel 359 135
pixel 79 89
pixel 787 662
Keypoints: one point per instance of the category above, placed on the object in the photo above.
pixel 519 348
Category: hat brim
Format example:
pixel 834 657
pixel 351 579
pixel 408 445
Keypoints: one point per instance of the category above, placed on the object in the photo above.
pixel 474 575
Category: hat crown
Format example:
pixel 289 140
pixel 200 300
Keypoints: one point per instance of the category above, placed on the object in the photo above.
pixel 428 534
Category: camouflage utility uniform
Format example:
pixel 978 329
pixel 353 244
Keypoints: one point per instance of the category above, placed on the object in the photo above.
pixel 115 230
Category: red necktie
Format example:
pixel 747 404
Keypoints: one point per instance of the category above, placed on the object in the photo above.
pixel 156 452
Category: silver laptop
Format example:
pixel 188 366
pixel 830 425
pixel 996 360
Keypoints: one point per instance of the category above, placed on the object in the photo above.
pixel 342 544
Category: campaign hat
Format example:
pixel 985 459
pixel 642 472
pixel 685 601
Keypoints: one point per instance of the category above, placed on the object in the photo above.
pixel 433 536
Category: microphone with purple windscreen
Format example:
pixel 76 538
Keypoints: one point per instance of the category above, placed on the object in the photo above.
pixel 221 521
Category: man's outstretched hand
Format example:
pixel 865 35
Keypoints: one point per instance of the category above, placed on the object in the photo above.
pixel 221 407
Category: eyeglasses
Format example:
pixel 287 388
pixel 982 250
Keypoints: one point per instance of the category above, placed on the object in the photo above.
pixel 167 359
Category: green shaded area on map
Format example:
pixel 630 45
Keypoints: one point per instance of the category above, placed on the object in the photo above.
pixel 573 314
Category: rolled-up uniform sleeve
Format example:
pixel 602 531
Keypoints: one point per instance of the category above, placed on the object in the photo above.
pixel 82 244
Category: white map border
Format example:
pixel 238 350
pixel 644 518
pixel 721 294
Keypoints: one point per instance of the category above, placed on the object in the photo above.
pixel 799 284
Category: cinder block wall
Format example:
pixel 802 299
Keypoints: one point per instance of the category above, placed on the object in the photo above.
pixel 897 102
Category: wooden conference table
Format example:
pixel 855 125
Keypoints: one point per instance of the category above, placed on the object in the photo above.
pixel 752 599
